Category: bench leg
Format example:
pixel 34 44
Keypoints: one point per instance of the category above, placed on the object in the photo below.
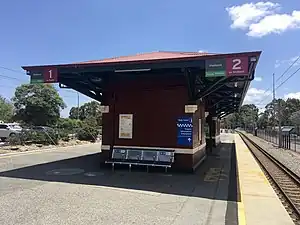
pixel 147 169
pixel 113 167
pixel 129 167
pixel 166 169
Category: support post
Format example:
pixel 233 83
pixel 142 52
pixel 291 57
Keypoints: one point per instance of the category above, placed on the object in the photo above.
pixel 211 119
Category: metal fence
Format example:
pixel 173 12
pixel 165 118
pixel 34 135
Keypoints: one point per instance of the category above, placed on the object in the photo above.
pixel 289 141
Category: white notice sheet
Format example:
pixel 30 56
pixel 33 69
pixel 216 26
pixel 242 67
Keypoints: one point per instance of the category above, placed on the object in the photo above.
pixel 125 126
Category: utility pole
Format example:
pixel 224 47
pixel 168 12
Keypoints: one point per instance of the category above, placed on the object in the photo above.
pixel 279 125
pixel 77 105
pixel 277 109
pixel 273 86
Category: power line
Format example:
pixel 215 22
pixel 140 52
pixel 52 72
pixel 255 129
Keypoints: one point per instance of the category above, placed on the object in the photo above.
pixel 288 68
pixel 5 86
pixel 13 78
pixel 16 71
pixel 282 83
pixel 11 87
pixel 296 60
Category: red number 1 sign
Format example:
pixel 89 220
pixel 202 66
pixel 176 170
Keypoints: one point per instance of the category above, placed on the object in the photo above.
pixel 238 66
pixel 50 75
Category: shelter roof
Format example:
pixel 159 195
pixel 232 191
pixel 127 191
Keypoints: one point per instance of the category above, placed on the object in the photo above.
pixel 210 75
pixel 156 56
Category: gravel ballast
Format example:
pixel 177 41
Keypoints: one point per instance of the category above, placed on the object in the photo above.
pixel 287 157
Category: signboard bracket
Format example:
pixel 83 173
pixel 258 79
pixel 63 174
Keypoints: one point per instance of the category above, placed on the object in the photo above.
pixel 214 87
pixel 63 86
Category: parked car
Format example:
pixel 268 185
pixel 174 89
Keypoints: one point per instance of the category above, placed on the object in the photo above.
pixel 43 129
pixel 9 130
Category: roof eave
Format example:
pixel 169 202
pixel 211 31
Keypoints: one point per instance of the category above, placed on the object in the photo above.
pixel 91 64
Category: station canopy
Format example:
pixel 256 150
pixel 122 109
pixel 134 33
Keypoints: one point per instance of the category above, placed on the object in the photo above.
pixel 221 80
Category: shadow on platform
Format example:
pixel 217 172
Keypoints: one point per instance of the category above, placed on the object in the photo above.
pixel 170 183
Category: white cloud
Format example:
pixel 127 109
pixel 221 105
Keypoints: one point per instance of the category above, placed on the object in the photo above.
pixel 261 18
pixel 277 23
pixel 294 59
pixel 277 63
pixel 258 79
pixel 258 97
pixel 244 15
pixel 292 95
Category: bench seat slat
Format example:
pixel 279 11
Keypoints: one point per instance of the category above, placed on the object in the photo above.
pixel 138 163
pixel 143 157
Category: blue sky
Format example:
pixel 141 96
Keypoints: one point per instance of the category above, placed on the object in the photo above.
pixel 45 32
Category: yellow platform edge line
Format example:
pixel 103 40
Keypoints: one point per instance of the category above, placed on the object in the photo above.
pixel 241 206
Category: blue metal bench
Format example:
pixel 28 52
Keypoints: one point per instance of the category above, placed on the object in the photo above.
pixel 155 158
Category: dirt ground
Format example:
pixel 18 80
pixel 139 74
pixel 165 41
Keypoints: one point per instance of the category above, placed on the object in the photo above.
pixel 5 148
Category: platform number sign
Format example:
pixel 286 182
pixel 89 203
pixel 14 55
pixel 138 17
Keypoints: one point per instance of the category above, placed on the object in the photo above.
pixel 237 66
pixel 45 75
pixel 50 75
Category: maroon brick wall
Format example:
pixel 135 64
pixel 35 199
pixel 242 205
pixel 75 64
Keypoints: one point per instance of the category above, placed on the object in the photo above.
pixel 155 103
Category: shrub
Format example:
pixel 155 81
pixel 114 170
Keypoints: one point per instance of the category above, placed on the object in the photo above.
pixel 48 137
pixel 64 134
pixel 87 133
pixel 67 127
pixel 15 140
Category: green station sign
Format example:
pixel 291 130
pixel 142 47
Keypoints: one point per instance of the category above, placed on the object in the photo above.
pixel 36 77
pixel 215 68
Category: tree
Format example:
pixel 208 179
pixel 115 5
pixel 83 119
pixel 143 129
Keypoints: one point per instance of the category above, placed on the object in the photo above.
pixel 37 104
pixel 293 105
pixel 247 118
pixel 6 110
pixel 73 114
pixel 231 121
pixel 68 124
pixel 295 119
pixel 263 121
pixel 88 131
pixel 88 111
pixel 248 115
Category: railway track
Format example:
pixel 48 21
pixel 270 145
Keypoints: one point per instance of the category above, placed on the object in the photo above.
pixel 285 181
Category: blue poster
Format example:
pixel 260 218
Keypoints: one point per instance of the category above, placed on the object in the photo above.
pixel 185 131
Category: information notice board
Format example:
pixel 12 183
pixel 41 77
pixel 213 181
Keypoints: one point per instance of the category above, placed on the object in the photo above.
pixel 125 126
pixel 185 131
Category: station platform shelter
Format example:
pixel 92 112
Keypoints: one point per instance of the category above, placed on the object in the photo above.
pixel 159 101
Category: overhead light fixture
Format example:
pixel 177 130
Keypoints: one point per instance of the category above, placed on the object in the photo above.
pixel 96 79
pixel 133 70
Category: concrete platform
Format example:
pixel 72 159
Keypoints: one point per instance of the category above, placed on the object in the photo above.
pixel 69 188
pixel 259 203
